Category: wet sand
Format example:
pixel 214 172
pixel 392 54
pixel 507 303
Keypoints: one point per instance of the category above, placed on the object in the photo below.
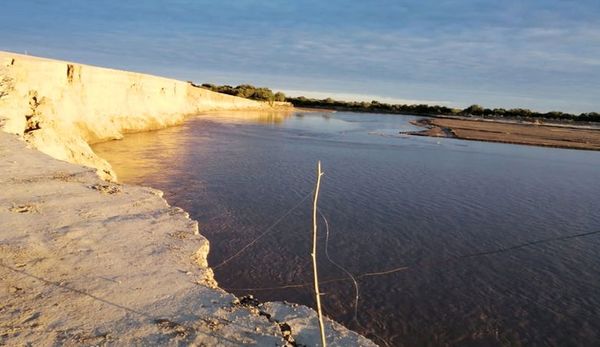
pixel 525 134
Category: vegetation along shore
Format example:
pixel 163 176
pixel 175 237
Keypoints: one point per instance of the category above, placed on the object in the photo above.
pixel 517 126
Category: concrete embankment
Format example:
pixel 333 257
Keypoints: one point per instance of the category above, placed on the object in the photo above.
pixel 84 261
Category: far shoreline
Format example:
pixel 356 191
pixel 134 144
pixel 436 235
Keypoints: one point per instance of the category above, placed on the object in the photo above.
pixel 532 134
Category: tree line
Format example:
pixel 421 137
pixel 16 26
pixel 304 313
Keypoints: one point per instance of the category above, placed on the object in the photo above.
pixel 247 91
pixel 266 94
pixel 434 110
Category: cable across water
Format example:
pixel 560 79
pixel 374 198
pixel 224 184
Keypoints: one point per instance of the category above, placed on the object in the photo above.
pixel 264 233
pixel 447 260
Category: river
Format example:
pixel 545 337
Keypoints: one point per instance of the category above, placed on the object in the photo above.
pixel 488 244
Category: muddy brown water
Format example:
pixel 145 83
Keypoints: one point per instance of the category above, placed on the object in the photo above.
pixel 487 232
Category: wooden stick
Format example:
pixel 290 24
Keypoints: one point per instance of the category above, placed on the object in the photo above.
pixel 314 255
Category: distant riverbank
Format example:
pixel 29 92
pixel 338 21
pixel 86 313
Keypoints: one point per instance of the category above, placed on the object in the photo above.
pixel 509 132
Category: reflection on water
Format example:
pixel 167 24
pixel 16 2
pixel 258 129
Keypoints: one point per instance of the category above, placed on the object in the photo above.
pixel 171 145
pixel 252 117
pixel 459 216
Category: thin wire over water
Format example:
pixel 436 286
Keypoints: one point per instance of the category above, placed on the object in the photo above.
pixel 264 233
pixel 355 283
pixel 447 260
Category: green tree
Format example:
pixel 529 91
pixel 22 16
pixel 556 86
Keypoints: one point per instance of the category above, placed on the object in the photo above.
pixel 263 94
pixel 279 96
pixel 475 110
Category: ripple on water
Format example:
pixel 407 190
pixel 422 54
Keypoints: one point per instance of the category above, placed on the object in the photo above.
pixel 391 202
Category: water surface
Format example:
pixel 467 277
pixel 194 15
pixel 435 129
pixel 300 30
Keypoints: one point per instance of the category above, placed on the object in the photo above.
pixel 479 232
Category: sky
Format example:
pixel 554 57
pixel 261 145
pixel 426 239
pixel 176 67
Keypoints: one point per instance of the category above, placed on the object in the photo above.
pixel 537 54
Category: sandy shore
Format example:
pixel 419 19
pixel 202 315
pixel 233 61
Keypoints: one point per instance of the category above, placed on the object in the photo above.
pixel 525 134
pixel 62 107
pixel 315 109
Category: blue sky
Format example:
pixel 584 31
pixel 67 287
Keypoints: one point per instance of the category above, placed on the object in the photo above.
pixel 536 54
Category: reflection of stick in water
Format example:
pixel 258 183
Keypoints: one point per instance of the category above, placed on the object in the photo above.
pixel 314 256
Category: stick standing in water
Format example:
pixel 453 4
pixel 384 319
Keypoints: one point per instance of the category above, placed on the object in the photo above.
pixel 314 255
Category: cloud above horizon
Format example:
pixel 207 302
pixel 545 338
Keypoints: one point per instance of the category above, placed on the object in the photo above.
pixel 537 54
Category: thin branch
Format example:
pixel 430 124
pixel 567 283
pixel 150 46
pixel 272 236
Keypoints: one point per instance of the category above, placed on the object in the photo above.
pixel 314 256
